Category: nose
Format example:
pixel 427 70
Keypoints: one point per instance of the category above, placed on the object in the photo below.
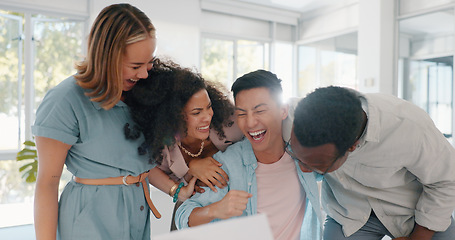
pixel 208 116
pixel 251 121
pixel 143 73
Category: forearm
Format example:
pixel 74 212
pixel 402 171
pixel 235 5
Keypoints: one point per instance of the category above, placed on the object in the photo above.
pixel 51 155
pixel 46 211
pixel 160 180
pixel 421 233
pixel 202 215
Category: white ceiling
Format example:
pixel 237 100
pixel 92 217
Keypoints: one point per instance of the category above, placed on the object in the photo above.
pixel 294 5
pixel 429 24
pixel 433 23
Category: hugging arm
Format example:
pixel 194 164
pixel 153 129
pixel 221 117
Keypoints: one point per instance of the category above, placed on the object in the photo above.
pixel 161 180
pixel 208 171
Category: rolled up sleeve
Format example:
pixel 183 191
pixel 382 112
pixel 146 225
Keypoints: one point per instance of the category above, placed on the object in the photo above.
pixel 198 200
pixel 435 169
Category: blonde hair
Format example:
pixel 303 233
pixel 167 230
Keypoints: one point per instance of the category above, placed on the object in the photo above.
pixel 100 73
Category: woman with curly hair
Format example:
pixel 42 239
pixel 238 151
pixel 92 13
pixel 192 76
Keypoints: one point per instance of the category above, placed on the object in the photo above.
pixel 185 120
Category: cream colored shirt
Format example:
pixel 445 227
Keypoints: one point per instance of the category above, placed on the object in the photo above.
pixel 403 169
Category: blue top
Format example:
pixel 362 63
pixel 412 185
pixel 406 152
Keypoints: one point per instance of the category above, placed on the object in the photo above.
pixel 240 163
pixel 99 150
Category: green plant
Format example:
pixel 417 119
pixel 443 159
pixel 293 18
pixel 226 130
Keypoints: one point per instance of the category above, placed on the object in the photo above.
pixel 30 169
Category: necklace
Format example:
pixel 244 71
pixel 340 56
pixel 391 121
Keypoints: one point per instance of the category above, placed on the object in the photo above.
pixel 189 153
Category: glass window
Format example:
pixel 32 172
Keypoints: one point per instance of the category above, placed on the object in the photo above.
pixel 218 60
pixel 327 62
pixel 284 57
pixel 338 68
pixel 430 87
pixel 307 70
pixel 425 66
pixel 10 80
pixel 56 45
pixel 224 60
pixel 251 56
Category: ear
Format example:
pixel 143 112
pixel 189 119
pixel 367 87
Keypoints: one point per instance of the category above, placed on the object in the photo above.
pixel 354 146
pixel 284 111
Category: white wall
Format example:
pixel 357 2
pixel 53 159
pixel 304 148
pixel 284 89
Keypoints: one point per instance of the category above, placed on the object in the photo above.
pixel 330 23
pixel 376 46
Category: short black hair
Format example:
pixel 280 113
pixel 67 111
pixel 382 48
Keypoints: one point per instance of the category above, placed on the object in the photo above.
pixel 257 79
pixel 329 115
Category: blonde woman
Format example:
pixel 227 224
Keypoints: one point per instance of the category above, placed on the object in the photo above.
pixel 79 123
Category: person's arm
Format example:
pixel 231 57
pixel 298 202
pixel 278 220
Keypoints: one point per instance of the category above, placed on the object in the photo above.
pixel 232 205
pixel 163 182
pixel 208 171
pixel 434 167
pixel 419 233
pixel 51 155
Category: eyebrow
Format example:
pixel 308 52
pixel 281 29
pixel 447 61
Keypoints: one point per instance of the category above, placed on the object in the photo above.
pixel 255 107
pixel 199 109
pixel 140 63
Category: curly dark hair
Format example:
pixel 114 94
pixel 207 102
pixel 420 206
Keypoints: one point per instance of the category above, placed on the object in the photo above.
pixel 329 115
pixel 156 105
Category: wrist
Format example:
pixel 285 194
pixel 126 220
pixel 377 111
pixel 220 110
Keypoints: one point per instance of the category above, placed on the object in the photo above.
pixel 212 212
pixel 176 194
pixel 173 189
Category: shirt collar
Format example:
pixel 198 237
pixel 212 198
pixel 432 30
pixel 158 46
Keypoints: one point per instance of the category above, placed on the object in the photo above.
pixel 248 154
pixel 372 130
pixel 97 105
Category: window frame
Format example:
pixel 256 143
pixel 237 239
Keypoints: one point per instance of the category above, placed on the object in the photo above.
pixel 26 61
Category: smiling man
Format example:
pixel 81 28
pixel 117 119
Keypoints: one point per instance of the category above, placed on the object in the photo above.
pixel 386 168
pixel 262 177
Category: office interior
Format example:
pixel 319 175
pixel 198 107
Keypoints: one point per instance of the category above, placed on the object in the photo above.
pixel 400 47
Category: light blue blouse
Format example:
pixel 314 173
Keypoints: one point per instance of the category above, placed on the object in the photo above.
pixel 240 164
pixel 99 150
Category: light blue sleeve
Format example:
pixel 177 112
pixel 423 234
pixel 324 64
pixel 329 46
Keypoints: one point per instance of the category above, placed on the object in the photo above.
pixel 198 200
pixel 55 117
pixel 311 227
pixel 231 161
pixel 314 217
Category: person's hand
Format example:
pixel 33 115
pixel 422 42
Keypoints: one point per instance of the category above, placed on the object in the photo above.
pixel 188 190
pixel 208 171
pixel 197 188
pixel 232 205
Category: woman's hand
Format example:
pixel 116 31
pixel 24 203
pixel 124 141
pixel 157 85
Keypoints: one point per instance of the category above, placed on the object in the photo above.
pixel 188 190
pixel 208 171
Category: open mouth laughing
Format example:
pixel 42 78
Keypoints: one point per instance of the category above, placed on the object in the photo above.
pixel 257 135
pixel 133 80
pixel 203 128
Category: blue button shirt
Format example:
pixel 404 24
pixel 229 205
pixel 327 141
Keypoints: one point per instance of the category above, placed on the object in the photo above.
pixel 240 163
